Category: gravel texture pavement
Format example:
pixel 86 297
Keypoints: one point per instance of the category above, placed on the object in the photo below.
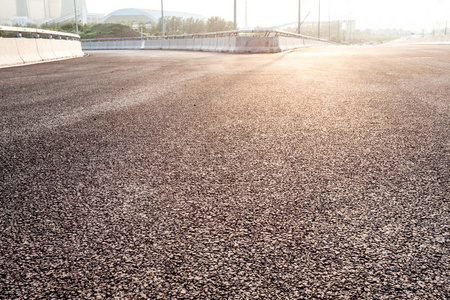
pixel 314 174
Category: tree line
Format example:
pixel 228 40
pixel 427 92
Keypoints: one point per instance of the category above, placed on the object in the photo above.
pixel 177 25
pixel 172 26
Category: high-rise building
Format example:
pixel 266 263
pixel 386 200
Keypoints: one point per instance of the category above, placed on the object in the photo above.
pixel 21 8
pixel 40 11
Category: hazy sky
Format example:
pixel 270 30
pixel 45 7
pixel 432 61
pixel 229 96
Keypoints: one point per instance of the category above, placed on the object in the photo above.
pixel 408 14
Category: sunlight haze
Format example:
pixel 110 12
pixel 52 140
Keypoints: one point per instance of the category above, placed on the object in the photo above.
pixel 414 15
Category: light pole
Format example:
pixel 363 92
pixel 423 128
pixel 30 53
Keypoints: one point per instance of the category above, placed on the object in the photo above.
pixel 246 15
pixel 162 16
pixel 318 34
pixel 235 16
pixel 299 17
pixel 76 18
pixel 329 20
pixel 446 21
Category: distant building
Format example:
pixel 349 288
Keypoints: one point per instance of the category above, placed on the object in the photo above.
pixel 130 15
pixel 94 18
pixel 41 11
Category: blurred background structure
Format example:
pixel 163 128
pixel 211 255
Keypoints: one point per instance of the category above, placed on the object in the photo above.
pixel 37 12
pixel 342 21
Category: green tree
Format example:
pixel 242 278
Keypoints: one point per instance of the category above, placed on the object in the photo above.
pixel 192 25
pixel 215 24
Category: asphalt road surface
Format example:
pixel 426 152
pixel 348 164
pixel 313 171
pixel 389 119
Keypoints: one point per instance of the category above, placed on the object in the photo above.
pixel 319 173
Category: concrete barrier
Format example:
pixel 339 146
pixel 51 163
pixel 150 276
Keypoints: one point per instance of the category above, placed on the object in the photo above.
pixel 222 43
pixel 173 44
pixel 61 48
pixel 45 49
pixel 92 45
pixel 231 44
pixel 169 44
pixel 183 43
pixel 165 44
pixel 152 44
pixel 211 44
pixel 28 50
pixel 131 45
pixel 198 43
pixel 256 45
pixel 75 48
pixel 289 43
pixel 9 53
pixel 245 41
pixel 190 44
pixel 116 45
pixel 203 43
pixel 105 45
pixel 109 45
pixel 17 51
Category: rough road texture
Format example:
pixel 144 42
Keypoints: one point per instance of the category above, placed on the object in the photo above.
pixel 321 173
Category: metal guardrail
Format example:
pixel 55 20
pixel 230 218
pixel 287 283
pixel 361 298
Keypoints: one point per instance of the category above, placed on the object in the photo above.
pixel 248 33
pixel 37 32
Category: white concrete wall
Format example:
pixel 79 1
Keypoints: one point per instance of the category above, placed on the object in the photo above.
pixel 28 50
pixel 61 48
pixel 75 48
pixel 17 51
pixel 233 44
pixel 257 45
pixel 289 43
pixel 45 50
pixel 9 54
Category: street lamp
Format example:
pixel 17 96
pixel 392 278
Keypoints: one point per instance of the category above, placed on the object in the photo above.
pixel 299 17
pixel 329 20
pixel 162 16
pixel 235 16
pixel 76 18
pixel 318 34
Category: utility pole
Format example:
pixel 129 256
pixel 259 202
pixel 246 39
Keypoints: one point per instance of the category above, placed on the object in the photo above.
pixel 299 17
pixel 235 16
pixel 339 31
pixel 446 21
pixel 318 34
pixel 329 20
pixel 246 15
pixel 76 18
pixel 162 16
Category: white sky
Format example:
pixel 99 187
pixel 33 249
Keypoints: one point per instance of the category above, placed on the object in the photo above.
pixel 407 14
